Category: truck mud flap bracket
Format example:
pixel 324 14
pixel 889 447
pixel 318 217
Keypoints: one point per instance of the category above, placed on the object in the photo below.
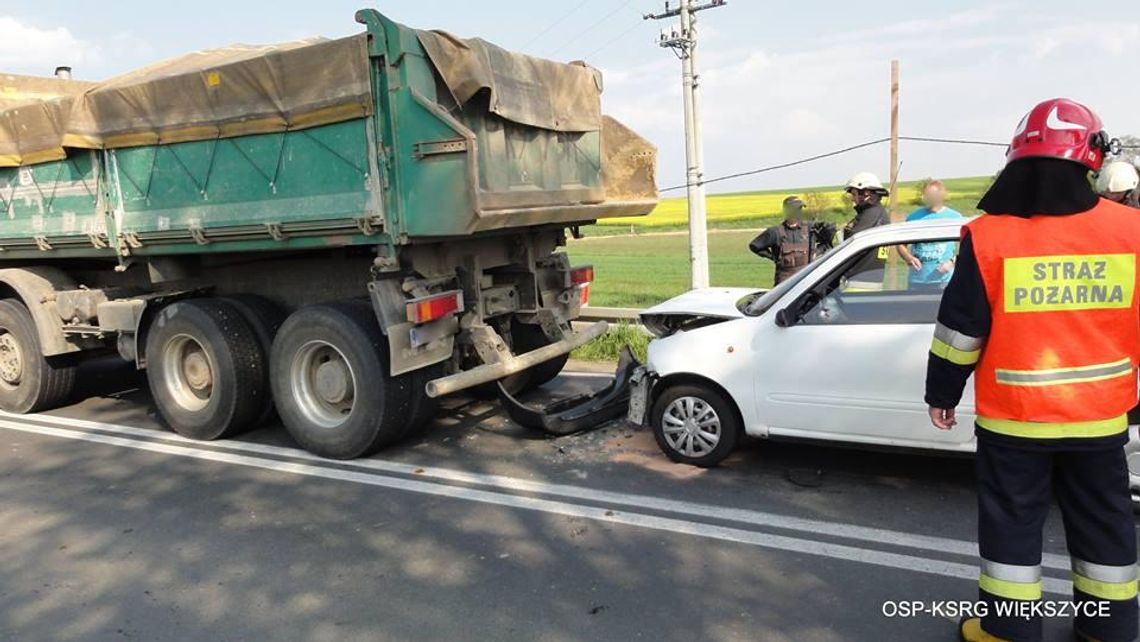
pixel 579 413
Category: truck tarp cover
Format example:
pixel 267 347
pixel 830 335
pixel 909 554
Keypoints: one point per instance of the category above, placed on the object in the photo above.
pixel 33 117
pixel 215 93
pixel 232 91
pixel 523 89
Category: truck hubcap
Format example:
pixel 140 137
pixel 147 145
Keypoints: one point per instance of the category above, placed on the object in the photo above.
pixel 323 384
pixel 187 372
pixel 333 381
pixel 11 365
pixel 196 369
pixel 691 426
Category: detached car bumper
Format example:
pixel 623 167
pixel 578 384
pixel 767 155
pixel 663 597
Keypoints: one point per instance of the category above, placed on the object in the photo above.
pixel 640 395
pixel 579 413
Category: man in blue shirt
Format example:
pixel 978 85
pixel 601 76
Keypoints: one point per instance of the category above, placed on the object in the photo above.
pixel 931 264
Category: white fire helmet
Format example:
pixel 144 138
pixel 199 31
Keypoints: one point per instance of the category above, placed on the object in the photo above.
pixel 866 180
pixel 1117 176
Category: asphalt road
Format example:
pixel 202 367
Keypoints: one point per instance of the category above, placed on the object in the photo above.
pixel 112 528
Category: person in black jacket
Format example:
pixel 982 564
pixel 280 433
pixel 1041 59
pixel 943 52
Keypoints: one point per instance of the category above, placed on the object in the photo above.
pixel 789 244
pixel 866 192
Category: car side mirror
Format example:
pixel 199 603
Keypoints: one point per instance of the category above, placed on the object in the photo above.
pixel 785 318
pixel 791 315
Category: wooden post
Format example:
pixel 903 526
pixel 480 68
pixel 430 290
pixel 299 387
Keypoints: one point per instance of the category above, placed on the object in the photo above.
pixel 894 138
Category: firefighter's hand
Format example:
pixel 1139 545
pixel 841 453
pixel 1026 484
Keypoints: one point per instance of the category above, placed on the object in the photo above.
pixel 943 418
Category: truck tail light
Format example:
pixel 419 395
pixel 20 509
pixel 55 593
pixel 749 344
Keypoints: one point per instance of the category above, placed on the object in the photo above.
pixel 434 307
pixel 584 295
pixel 582 275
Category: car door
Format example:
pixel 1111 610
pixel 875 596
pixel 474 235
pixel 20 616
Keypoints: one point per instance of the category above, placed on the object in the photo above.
pixel 850 363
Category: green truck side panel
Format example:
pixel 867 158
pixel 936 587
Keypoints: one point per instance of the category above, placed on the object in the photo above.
pixel 52 208
pixel 506 167
pixel 263 189
pixel 419 168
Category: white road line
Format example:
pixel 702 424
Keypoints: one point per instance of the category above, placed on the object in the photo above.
pixel 685 527
pixel 930 543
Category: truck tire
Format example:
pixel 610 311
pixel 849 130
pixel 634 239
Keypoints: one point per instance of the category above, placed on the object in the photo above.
pixel 205 369
pixel 265 318
pixel 330 378
pixel 529 337
pixel 29 382
pixel 422 407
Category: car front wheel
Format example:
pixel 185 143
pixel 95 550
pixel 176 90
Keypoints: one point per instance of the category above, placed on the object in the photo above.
pixel 694 425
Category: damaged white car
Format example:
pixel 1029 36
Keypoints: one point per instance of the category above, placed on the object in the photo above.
pixel 837 353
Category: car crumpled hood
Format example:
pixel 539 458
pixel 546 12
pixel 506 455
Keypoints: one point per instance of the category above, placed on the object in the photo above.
pixel 706 302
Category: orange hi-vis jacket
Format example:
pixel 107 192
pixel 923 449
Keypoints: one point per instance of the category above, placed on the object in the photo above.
pixel 1064 343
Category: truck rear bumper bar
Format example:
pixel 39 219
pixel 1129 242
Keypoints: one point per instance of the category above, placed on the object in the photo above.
pixel 578 413
pixel 495 371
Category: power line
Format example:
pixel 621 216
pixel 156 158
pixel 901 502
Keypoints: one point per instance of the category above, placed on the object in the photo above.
pixel 784 165
pixel 953 141
pixel 838 152
pixel 554 24
pixel 590 28
pixel 621 35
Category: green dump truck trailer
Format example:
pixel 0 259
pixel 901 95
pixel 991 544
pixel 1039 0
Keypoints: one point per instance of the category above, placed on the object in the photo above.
pixel 335 231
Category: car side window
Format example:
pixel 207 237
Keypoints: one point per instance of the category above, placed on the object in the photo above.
pixel 886 285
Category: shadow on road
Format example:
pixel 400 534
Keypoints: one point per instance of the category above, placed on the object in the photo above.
pixel 104 543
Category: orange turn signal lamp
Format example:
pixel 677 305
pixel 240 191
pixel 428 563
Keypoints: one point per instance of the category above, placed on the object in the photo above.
pixel 434 307
pixel 582 275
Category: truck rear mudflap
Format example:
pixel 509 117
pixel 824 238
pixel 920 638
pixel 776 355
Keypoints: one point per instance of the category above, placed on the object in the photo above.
pixel 579 413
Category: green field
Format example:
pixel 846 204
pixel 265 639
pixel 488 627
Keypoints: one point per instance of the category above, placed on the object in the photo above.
pixel 639 269
pixel 760 209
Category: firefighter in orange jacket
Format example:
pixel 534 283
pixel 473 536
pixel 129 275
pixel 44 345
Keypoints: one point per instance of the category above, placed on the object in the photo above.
pixel 1043 311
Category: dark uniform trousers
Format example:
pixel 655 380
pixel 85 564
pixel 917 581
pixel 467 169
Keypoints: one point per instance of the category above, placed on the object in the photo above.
pixel 1015 484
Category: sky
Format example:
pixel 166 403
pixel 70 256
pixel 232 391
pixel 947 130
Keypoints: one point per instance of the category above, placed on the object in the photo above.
pixel 780 80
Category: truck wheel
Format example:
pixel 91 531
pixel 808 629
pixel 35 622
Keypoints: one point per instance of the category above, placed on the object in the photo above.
pixel 264 318
pixel 329 370
pixel 422 407
pixel 529 337
pixel 694 425
pixel 29 382
pixel 205 369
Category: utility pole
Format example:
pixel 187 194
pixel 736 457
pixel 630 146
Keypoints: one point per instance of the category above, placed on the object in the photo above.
pixel 894 137
pixel 684 45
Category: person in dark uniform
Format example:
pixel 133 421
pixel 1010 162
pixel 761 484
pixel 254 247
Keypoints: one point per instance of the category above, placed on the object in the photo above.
pixel 790 244
pixel 866 193
pixel 1044 311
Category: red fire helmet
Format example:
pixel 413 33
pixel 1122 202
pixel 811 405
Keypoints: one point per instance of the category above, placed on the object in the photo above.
pixel 1061 128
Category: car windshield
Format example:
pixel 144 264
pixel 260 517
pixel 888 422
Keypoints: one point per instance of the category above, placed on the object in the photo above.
pixel 764 302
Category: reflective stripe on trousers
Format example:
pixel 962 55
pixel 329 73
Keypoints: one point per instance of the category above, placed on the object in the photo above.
pixel 1011 581
pixel 1105 582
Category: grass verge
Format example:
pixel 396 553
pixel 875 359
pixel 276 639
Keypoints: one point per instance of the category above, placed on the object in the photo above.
pixel 608 346
pixel 641 271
